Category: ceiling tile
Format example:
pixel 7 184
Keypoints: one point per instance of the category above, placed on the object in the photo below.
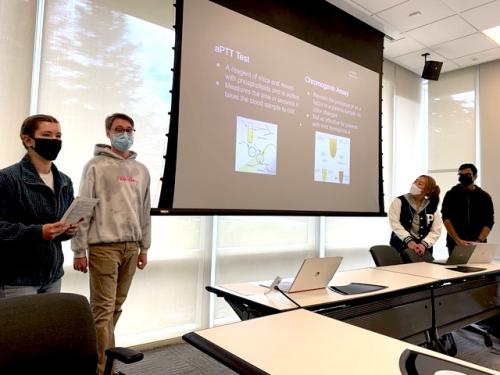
pixel 442 31
pixel 425 12
pixel 365 16
pixel 461 5
pixel 415 61
pixel 465 46
pixel 375 6
pixel 401 47
pixel 479 58
pixel 387 28
pixel 448 27
pixel 448 66
pixel 349 6
pixel 484 17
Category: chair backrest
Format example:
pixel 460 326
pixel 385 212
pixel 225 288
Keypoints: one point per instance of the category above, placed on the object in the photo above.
pixel 385 255
pixel 409 256
pixel 47 334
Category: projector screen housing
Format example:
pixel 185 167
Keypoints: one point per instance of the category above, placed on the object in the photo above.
pixel 275 110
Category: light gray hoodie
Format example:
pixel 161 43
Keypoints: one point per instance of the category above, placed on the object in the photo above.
pixel 123 211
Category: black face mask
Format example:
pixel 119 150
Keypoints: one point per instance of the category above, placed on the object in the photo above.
pixel 465 180
pixel 47 148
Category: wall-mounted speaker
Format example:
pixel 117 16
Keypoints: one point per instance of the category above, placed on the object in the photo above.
pixel 432 70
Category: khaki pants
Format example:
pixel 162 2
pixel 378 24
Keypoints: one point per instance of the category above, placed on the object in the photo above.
pixel 112 267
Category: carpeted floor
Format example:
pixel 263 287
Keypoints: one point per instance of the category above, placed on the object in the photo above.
pixel 176 359
pixel 183 359
pixel 472 349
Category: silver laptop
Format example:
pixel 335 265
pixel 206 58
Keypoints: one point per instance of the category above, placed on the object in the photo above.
pixel 314 273
pixel 483 253
pixel 476 253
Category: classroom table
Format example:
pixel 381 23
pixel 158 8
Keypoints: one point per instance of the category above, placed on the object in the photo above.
pixel 303 342
pixel 459 299
pixel 421 301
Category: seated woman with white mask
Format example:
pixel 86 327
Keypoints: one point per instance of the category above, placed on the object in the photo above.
pixel 415 219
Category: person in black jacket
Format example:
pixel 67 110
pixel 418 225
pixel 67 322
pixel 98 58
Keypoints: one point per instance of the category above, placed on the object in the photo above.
pixel 414 218
pixel 467 210
pixel 34 196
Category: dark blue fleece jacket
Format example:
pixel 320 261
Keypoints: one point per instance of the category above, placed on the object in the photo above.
pixel 26 203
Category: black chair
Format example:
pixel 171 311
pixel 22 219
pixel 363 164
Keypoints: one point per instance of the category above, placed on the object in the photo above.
pixel 385 255
pixel 483 332
pixel 409 256
pixel 52 334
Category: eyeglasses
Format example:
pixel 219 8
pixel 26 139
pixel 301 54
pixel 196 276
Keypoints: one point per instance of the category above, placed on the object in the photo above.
pixel 129 131
pixel 465 174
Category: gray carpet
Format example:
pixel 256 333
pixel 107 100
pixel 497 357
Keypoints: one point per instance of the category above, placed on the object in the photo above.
pixel 472 349
pixel 176 359
pixel 186 360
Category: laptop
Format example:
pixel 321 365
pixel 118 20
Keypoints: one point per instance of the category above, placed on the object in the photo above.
pixel 476 253
pixel 314 273
pixel 460 255
pixel 484 253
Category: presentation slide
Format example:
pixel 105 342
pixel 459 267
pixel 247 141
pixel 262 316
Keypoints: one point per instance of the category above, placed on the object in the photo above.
pixel 270 122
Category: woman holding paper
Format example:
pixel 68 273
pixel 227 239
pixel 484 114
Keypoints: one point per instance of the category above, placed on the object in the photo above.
pixel 34 196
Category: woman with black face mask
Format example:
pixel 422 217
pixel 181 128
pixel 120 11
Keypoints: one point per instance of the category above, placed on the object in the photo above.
pixel 34 196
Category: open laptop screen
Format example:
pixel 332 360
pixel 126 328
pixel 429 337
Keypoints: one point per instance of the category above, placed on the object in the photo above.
pixel 484 253
pixel 314 273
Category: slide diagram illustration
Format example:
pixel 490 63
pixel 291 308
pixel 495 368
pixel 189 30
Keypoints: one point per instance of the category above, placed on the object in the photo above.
pixel 256 146
pixel 331 158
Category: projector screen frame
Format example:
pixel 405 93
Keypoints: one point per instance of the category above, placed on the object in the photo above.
pixel 292 10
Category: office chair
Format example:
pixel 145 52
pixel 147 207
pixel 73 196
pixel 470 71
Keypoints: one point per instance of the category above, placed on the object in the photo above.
pixel 52 334
pixel 385 255
pixel 476 328
pixel 409 256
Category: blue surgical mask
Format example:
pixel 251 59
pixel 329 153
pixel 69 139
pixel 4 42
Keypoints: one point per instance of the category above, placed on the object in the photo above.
pixel 122 142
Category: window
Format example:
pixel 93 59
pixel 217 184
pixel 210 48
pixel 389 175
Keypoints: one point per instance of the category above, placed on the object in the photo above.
pixel 260 248
pixel 452 125
pixel 100 57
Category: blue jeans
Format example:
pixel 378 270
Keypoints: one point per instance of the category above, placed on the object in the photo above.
pixel 7 291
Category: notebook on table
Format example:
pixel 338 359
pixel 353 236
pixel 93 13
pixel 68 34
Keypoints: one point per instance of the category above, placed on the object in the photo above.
pixel 356 288
pixel 314 273
pixel 465 269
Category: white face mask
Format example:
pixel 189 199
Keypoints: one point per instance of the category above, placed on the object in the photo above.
pixel 415 190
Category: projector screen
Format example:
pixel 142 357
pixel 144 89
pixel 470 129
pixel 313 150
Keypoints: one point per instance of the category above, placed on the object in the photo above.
pixel 268 123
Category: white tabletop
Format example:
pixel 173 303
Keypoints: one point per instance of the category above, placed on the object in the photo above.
pixel 302 342
pixel 438 271
pixel 393 280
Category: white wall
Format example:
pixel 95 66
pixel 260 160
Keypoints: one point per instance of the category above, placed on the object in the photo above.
pixel 489 98
pixel 16 56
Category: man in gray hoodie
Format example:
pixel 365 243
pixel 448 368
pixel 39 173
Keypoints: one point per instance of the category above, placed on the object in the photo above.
pixel 118 236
